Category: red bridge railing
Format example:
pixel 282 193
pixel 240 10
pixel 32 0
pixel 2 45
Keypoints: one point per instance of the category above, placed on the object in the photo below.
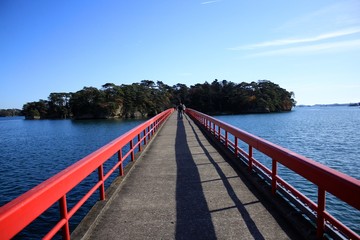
pixel 17 214
pixel 342 186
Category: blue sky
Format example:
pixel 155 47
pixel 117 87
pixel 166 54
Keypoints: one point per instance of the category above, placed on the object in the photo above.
pixel 309 47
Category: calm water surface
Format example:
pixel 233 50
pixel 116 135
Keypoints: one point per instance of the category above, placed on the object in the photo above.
pixel 32 151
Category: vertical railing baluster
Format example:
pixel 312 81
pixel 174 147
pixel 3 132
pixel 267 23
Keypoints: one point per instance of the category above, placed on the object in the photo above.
pixel 64 215
pixel 320 222
pixel 151 130
pixel 226 139
pixel 236 147
pixel 101 179
pixel 273 176
pixel 250 157
pixel 132 150
pixel 144 132
pixel 121 167
pixel 139 142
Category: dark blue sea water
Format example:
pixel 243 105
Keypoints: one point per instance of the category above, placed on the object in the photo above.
pixel 32 151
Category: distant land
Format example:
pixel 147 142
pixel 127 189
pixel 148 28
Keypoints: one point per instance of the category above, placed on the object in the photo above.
pixel 17 112
pixel 10 112
pixel 148 98
pixel 331 105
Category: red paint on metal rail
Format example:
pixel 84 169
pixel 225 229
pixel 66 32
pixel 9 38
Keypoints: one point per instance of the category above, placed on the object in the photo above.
pixel 342 186
pixel 33 203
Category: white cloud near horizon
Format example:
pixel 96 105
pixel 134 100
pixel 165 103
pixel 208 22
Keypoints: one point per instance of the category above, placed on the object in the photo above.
pixel 311 49
pixel 208 2
pixel 289 41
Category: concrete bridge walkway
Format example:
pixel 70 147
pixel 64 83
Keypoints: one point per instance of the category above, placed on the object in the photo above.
pixel 182 188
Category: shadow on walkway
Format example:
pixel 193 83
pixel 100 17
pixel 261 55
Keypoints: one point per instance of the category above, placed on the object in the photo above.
pixel 251 225
pixel 193 215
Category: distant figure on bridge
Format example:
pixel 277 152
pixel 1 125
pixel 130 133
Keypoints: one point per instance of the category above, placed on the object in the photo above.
pixel 180 108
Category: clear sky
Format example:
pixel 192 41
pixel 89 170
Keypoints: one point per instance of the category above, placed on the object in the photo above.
pixel 309 47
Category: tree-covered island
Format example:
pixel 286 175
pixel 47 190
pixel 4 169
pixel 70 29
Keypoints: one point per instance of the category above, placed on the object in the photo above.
pixel 148 98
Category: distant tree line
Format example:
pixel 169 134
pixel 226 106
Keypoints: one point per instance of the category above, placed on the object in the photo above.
pixel 229 98
pixel 10 112
pixel 148 98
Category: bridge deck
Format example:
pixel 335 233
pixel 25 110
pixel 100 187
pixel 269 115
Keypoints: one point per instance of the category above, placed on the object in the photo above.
pixel 182 188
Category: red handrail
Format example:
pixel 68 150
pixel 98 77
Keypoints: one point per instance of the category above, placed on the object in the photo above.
pixel 17 214
pixel 342 186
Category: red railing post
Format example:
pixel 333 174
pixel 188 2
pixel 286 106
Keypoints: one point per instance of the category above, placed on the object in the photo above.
pixel 148 132
pixel 64 215
pixel 132 150
pixel 144 132
pixel 236 147
pixel 218 133
pixel 121 167
pixel 250 157
pixel 139 142
pixel 101 179
pixel 226 139
pixel 320 222
pixel 273 176
pixel 151 130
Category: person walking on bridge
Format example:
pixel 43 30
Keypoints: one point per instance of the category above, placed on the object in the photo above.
pixel 180 108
